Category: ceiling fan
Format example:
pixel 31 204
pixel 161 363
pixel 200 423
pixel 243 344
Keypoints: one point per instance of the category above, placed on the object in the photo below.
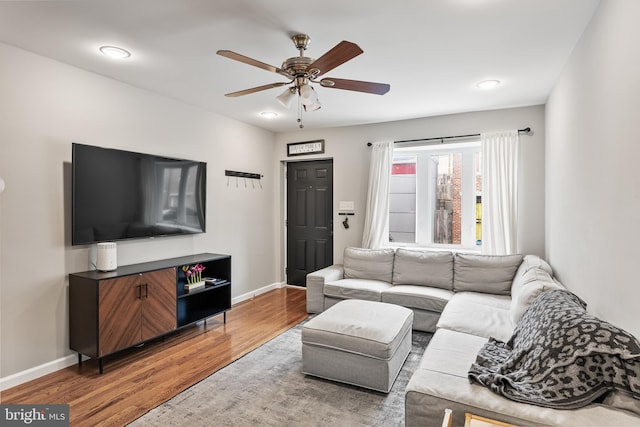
pixel 302 71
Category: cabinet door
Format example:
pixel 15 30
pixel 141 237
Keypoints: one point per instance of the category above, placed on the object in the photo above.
pixel 159 303
pixel 119 305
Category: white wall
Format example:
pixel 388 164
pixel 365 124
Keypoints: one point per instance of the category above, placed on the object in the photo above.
pixel 347 146
pixel 44 107
pixel 593 178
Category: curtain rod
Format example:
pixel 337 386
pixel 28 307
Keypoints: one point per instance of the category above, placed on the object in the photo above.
pixel 442 138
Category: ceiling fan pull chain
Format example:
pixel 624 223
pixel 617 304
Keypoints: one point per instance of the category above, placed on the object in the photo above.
pixel 300 113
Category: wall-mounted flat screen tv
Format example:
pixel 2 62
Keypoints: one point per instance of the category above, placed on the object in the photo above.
pixel 119 195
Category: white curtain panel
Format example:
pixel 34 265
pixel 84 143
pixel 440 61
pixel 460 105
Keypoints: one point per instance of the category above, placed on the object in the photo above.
pixel 500 192
pixel 376 220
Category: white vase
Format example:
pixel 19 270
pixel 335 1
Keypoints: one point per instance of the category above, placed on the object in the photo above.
pixel 195 285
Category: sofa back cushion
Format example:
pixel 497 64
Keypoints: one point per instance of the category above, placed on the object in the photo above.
pixel 491 274
pixel 375 264
pixel 426 268
pixel 523 275
pixel 534 261
pixel 530 285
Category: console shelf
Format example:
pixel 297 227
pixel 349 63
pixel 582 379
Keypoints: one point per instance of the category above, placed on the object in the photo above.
pixel 112 311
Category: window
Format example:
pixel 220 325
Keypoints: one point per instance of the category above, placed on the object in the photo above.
pixel 402 201
pixel 436 196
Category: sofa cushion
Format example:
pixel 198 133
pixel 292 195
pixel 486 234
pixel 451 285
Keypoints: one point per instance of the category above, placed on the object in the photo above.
pixel 530 285
pixel 375 264
pixel 420 297
pixel 483 315
pixel 491 274
pixel 534 261
pixel 529 262
pixel 365 289
pixel 622 400
pixel 427 268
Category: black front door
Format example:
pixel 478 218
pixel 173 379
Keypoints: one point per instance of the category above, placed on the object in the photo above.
pixel 309 218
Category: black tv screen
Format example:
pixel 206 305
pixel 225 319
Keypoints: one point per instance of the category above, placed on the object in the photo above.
pixel 120 195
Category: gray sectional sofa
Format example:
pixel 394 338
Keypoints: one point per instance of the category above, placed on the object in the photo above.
pixel 464 299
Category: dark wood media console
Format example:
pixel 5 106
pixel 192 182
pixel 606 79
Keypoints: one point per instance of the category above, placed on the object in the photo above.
pixel 115 310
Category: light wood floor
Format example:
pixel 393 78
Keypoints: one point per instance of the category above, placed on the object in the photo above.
pixel 137 380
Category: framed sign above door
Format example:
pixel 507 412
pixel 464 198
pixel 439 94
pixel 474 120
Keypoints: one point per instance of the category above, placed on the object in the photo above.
pixel 306 147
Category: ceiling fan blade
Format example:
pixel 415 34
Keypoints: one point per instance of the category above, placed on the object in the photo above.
pixel 245 59
pixel 356 85
pixel 256 89
pixel 338 55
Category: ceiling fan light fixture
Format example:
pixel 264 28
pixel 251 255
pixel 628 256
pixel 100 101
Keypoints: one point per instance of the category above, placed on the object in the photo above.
pixel 309 98
pixel 303 70
pixel 312 106
pixel 269 114
pixel 307 94
pixel 286 97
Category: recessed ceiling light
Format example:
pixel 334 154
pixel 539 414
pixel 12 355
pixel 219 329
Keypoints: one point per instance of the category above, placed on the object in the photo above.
pixel 488 84
pixel 115 52
pixel 269 114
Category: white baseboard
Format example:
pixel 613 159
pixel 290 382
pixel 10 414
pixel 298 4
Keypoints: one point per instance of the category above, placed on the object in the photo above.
pixel 255 293
pixel 72 359
pixel 38 371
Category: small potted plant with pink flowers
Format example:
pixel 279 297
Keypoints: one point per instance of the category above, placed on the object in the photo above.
pixel 193 273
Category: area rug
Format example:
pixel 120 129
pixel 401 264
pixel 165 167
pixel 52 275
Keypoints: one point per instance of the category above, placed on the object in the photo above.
pixel 266 387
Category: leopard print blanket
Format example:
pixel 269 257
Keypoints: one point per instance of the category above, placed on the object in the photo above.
pixel 560 356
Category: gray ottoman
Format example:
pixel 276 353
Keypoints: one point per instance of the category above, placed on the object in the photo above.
pixel 364 343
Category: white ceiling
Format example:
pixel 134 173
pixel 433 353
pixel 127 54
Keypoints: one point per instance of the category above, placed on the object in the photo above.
pixel 431 52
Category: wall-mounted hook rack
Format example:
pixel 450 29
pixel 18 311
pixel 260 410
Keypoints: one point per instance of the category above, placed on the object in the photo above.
pixel 243 174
